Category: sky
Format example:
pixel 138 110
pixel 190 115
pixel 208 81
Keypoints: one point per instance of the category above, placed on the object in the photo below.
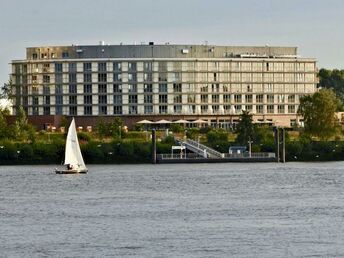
pixel 314 26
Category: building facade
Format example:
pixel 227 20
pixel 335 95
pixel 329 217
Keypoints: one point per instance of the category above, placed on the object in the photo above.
pixel 136 82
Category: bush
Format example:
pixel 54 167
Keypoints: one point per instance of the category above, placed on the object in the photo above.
pixel 217 135
pixel 192 133
pixel 82 136
pixel 177 128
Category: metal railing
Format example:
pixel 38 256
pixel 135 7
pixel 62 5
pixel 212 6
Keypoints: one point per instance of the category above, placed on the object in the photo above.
pixel 252 155
pixel 209 150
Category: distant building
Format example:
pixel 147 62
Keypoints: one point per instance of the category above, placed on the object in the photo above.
pixel 171 82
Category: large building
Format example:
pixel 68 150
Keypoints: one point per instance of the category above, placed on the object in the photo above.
pixel 171 82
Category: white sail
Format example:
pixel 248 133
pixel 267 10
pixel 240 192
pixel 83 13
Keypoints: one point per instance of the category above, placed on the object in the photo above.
pixel 73 153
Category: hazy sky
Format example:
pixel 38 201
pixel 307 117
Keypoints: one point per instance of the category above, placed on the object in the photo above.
pixel 315 26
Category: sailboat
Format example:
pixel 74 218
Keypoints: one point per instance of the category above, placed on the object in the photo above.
pixel 73 157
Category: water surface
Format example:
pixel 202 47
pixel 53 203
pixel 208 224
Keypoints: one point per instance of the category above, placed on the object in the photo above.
pixel 191 210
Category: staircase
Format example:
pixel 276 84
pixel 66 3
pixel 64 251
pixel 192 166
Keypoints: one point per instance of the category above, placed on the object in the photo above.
pixel 200 149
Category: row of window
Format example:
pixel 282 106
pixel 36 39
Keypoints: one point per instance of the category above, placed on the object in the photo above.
pixel 177 109
pixel 178 65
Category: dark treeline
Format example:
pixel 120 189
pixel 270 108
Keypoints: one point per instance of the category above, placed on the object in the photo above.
pixel 332 79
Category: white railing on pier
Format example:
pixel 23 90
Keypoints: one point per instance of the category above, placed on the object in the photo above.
pixel 209 150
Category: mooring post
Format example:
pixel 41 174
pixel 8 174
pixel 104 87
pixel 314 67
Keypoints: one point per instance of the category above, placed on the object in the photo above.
pixel 277 141
pixel 153 146
pixel 283 145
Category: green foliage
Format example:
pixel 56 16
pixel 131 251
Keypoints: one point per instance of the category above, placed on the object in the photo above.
pixel 245 128
pixel 205 130
pixel 3 127
pixel 217 135
pixel 138 127
pixel 177 128
pixel 333 79
pixel 82 136
pixel 169 140
pixel 318 112
pixel 6 91
pixel 135 135
pixel 192 133
pixel 112 129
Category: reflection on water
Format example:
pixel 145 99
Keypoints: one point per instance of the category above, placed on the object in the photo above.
pixel 191 210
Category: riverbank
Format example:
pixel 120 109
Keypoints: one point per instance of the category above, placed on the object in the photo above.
pixel 138 151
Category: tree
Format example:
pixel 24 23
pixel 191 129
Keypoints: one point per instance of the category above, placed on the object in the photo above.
pixel 6 91
pixel 245 128
pixel 332 79
pixel 318 112
pixel 3 127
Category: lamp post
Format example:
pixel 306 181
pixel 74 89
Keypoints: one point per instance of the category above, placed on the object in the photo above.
pixel 119 131
pixel 250 147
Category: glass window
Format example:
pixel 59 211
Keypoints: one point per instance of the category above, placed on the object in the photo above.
pixel 117 110
pixel 131 66
pixel 117 66
pixel 102 99
pixel 226 98
pixel 102 88
pixel 177 87
pixel 72 67
pixel 177 109
pixel 132 88
pixel 117 99
pixel 117 77
pixel 148 98
pixel 162 109
pixel 270 98
pixel 72 77
pixel 58 67
pixel 259 98
pixel 148 109
pixel 73 111
pixel 162 87
pixel 132 110
pixel 87 67
pixel 102 67
pixel 133 99
pixel 163 98
pixel 270 109
pixel 103 110
pixel 87 77
pixel 147 88
pixel 72 100
pixel 102 77
pixel 88 99
pixel 117 88
pixel 87 88
pixel 72 88
pixel 88 110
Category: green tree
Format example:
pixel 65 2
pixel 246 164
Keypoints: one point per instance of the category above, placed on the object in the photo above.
pixel 245 128
pixel 332 79
pixel 318 112
pixel 3 127
pixel 6 91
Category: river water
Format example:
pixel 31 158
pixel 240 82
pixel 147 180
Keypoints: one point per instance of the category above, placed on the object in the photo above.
pixel 181 210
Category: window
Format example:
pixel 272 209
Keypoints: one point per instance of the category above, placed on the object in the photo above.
pixel 132 110
pixel 215 99
pixel 117 99
pixel 291 99
pixel 72 111
pixel 46 110
pixel 117 110
pixel 191 98
pixel 204 109
pixel 117 88
pixel 131 66
pixel 46 90
pixel 103 110
pixel 227 109
pixel 87 67
pixel 102 67
pixel 162 77
pixel 162 87
pixel 237 98
pixel 58 67
pixel 248 108
pixel 163 98
pixel 72 67
pixel 132 88
pixel 35 111
pixel 226 98
pixel 162 109
pixel 259 98
pixel 147 66
pixel 270 109
pixel 177 109
pixel 215 87
pixel 87 88
pixel 72 77
pixel 132 77
pixel 102 77
pixel 204 98
pixel 204 88
pixel 59 100
pixel 177 98
pixel 148 109
pixel 117 66
pixel 46 100
pixel 248 98
pixel 117 77
pixel 148 77
pixel 280 109
pixel 87 77
pixel 88 110
pixel 58 78
pixel 259 109
pixel 147 88
pixel 102 88
pixel 65 55
pixel 46 79
pixel 238 109
pixel 34 56
pixel 177 87
pixel 102 99
pixel 215 108
pixel 88 99
pixel 132 99
pixel 72 100
pixel 72 88
pixel 291 109
pixel 148 98
pixel 58 110
pixel 270 98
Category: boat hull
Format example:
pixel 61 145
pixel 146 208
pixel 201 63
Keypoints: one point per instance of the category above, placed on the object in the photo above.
pixel 71 171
